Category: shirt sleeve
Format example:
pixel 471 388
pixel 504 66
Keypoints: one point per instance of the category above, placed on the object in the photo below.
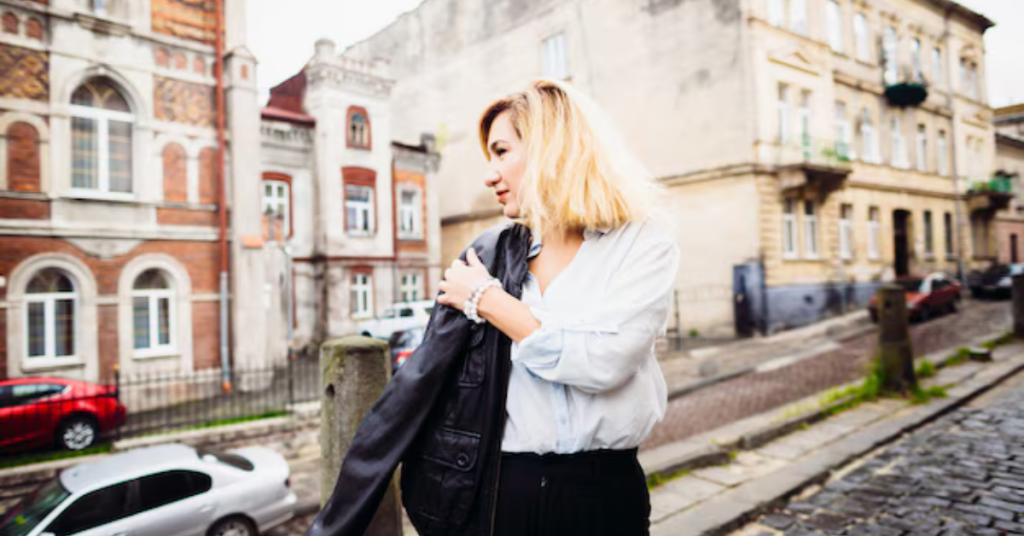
pixel 599 350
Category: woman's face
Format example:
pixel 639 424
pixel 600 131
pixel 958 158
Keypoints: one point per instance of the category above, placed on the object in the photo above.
pixel 508 156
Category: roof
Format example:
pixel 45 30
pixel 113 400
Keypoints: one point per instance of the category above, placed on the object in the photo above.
pixel 281 114
pixel 982 21
pixel 1009 113
pixel 118 467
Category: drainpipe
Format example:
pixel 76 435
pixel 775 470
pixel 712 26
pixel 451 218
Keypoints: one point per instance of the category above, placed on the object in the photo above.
pixel 957 217
pixel 222 214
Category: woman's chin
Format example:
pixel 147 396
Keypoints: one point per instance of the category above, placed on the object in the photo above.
pixel 511 211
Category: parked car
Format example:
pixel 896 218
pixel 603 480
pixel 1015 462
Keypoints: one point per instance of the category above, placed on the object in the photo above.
pixel 993 282
pixel 398 317
pixel 926 296
pixel 403 344
pixel 68 414
pixel 167 490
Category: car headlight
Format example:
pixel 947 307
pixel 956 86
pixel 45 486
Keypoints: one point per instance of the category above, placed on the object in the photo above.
pixel 1005 282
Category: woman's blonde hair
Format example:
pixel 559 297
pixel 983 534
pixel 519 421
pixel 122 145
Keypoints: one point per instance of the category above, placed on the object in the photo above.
pixel 578 172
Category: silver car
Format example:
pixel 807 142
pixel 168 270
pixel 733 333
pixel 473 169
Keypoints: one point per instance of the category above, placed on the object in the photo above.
pixel 167 490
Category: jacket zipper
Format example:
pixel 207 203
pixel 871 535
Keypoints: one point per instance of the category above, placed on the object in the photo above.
pixel 504 398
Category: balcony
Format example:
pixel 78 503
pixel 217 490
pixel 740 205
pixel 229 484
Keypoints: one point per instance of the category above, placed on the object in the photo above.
pixel 990 196
pixel 816 163
pixel 907 91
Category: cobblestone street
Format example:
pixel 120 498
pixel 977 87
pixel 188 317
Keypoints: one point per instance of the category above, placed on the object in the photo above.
pixel 749 395
pixel 962 475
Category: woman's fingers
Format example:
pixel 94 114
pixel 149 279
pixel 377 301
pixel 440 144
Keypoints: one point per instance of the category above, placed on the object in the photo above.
pixel 472 258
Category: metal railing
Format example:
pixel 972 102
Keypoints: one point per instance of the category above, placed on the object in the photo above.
pixel 818 151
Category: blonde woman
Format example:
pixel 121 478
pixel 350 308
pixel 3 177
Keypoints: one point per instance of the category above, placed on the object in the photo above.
pixel 522 411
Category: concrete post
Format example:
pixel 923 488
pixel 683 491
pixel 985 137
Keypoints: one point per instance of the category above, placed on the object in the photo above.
pixel 895 353
pixel 1018 306
pixel 353 373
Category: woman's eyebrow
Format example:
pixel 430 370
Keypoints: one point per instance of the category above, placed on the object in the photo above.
pixel 494 144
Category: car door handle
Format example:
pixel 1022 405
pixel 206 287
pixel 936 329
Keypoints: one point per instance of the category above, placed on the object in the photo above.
pixel 206 508
pixel 125 533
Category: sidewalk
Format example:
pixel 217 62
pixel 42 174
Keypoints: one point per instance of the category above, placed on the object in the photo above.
pixel 758 472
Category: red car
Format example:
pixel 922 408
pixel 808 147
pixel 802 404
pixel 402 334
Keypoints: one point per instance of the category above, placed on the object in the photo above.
pixel 69 414
pixel 926 296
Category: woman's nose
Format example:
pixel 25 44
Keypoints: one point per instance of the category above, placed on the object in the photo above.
pixel 492 178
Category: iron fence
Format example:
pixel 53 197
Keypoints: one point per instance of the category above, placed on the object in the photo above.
pixel 43 415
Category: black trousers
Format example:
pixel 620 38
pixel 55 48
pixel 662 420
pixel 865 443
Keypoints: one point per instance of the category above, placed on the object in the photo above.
pixel 594 493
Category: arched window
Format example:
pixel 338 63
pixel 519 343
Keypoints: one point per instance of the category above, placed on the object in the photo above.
pixel 101 138
pixel 152 313
pixel 358 128
pixel 51 307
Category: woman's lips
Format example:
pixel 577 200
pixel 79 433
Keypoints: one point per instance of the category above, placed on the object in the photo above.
pixel 501 196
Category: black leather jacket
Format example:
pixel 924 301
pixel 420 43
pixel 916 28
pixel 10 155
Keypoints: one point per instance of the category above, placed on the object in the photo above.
pixel 442 416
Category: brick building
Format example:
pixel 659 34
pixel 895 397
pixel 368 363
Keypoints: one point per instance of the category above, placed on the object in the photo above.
pixel 353 206
pixel 109 195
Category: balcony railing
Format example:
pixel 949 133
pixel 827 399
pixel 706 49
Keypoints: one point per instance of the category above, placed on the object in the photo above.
pixel 816 151
pixel 997 184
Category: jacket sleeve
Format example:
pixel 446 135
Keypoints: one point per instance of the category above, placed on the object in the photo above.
pixel 391 426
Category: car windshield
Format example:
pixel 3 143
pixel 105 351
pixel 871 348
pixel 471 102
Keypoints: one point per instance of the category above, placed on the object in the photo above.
pixel 234 460
pixel 28 513
pixel 910 285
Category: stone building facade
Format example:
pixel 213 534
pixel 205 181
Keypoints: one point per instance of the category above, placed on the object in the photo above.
pixel 782 126
pixel 1009 168
pixel 109 253
pixel 357 210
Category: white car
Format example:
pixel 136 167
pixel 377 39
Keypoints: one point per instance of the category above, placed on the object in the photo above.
pixel 398 317
pixel 167 490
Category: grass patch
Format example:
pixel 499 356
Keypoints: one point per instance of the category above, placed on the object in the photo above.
pixel 52 456
pixel 1002 340
pixel 694 334
pixel 925 370
pixel 923 396
pixel 223 422
pixel 657 480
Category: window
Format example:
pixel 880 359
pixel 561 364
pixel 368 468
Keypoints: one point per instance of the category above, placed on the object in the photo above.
pixel 410 288
pixel 362 295
pixel 889 55
pixel 937 69
pixel 899 148
pixel 410 218
pixel 942 154
pixel 947 220
pixel 842 131
pixel 789 229
pixel 152 313
pixel 798 16
pixel 554 60
pixel 929 246
pixel 969 78
pixel 835 26
pixel 868 140
pixel 359 209
pixel 101 139
pixel 19 394
pixel 805 123
pixel 783 108
pixel 810 230
pixel 873 233
pixel 51 305
pixel 922 148
pixel 165 488
pixel 777 12
pixel 915 58
pixel 358 128
pixel 860 35
pixel 846 231
pixel 92 510
pixel 276 215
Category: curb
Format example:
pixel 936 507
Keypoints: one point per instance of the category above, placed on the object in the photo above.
pixel 745 502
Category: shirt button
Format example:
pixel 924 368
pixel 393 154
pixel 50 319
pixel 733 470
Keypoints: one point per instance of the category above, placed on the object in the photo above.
pixel 543 481
pixel 462 460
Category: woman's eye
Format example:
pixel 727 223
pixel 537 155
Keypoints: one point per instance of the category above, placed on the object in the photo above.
pixel 499 152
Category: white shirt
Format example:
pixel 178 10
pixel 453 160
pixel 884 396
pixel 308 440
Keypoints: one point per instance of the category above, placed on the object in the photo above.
pixel 588 378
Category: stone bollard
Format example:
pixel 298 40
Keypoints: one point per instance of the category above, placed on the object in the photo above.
pixel 894 348
pixel 1018 306
pixel 353 373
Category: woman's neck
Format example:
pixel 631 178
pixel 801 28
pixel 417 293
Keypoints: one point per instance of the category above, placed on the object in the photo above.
pixel 562 237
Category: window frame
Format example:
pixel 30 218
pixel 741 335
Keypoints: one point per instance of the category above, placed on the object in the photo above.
pixel 49 300
pixel 916 66
pixel 869 144
pixel 921 147
pixel 554 57
pixel 846 231
pixel 942 153
pixel 841 125
pixel 101 118
pixel 937 67
pixel 413 211
pixel 805 118
pixel 890 55
pixel 874 233
pixel 361 282
pixel 365 208
pixel 799 16
pixel 284 204
pixel 898 158
pixel 947 220
pixel 410 283
pixel 834 24
pixel 153 297
pixel 351 141
pixel 782 106
pixel 929 233
pixel 811 250
pixel 862 43
pixel 790 249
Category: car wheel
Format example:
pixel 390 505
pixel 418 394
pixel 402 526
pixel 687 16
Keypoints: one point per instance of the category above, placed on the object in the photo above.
pixel 77 433
pixel 923 315
pixel 952 305
pixel 233 526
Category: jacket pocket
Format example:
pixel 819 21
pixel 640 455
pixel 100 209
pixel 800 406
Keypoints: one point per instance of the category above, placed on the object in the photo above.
pixel 439 485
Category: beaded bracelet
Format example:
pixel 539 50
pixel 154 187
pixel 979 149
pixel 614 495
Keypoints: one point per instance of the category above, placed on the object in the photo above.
pixel 473 301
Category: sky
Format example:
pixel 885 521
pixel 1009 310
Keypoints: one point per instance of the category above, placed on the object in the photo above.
pixel 281 35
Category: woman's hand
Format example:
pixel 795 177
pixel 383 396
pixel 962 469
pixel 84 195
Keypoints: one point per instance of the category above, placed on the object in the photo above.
pixel 460 279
